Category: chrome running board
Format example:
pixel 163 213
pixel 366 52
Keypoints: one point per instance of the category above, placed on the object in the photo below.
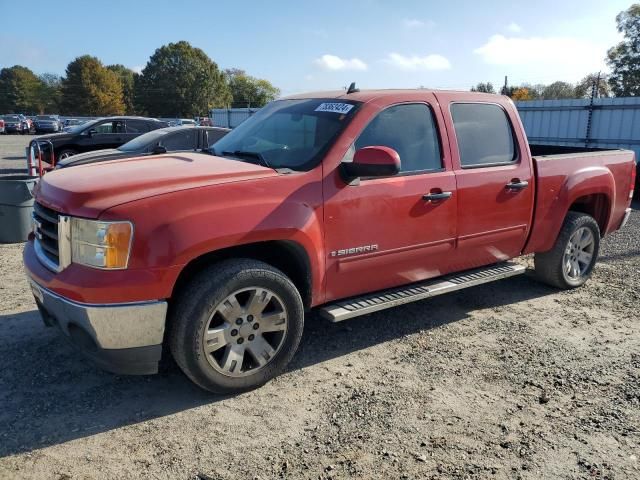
pixel 373 302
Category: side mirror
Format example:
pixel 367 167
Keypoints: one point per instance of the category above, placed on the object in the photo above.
pixel 159 149
pixel 376 161
pixel 92 132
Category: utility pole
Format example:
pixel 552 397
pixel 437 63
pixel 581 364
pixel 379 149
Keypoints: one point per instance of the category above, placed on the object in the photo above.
pixel 505 90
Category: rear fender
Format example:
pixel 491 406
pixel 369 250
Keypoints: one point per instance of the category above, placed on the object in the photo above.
pixel 552 209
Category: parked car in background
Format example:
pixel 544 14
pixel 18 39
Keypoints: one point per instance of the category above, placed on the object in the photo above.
pixel 184 121
pixel 163 140
pixel 348 203
pixel 47 124
pixel 97 134
pixel 14 123
pixel 205 122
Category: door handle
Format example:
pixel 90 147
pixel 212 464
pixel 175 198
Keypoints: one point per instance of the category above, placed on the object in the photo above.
pixel 517 185
pixel 435 197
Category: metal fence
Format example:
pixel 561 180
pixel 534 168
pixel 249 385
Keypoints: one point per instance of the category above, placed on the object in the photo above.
pixel 601 122
pixel 230 117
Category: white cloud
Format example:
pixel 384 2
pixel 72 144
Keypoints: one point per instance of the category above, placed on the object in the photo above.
pixel 543 53
pixel 513 27
pixel 412 23
pixel 415 62
pixel 335 63
pixel 138 68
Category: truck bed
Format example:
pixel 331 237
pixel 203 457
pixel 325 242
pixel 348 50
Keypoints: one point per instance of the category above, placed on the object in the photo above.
pixel 567 177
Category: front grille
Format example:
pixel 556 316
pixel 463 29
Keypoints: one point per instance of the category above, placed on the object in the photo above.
pixel 46 232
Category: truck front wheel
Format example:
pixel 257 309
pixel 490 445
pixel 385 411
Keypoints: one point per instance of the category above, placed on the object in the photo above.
pixel 236 325
pixel 571 260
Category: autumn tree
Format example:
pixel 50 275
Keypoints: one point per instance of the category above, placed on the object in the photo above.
pixel 89 88
pixel 248 91
pixel 181 80
pixel 521 93
pixel 584 87
pixel 19 89
pixel 127 79
pixel 624 58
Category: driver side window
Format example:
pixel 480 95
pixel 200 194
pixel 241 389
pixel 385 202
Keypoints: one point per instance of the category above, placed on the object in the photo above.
pixel 410 130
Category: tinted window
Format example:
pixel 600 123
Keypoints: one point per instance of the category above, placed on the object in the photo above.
pixel 115 126
pixel 181 140
pixel 410 130
pixel 484 134
pixel 137 126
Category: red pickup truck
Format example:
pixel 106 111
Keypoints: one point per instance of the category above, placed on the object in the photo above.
pixel 343 202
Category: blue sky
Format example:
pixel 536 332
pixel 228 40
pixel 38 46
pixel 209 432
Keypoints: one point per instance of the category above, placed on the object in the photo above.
pixel 303 45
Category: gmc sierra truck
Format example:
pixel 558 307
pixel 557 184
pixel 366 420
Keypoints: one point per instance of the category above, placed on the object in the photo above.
pixel 343 202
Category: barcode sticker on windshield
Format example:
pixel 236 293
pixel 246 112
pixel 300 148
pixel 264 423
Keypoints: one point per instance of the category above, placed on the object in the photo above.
pixel 342 108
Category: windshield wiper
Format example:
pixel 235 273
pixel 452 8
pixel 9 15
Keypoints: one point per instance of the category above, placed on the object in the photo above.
pixel 257 155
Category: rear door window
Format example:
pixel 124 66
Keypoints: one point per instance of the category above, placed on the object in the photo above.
pixel 137 126
pixel 484 135
pixel 181 140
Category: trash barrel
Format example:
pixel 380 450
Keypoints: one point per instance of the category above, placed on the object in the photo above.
pixel 16 206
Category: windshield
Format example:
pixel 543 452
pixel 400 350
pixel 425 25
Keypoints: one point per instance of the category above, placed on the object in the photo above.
pixel 83 126
pixel 45 117
pixel 142 141
pixel 288 133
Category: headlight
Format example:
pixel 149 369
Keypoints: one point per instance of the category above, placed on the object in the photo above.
pixel 101 244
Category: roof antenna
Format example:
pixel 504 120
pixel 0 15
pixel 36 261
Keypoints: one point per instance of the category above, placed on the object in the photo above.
pixel 352 88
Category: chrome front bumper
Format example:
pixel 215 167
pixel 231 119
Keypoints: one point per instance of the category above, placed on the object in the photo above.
pixel 123 338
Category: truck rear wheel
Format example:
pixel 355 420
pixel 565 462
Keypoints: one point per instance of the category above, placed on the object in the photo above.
pixel 571 260
pixel 236 326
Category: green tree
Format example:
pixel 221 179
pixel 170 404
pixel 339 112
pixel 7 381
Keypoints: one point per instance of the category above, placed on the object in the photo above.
pixel 19 88
pixel 49 93
pixel 584 87
pixel 180 80
pixel 558 90
pixel 127 79
pixel 248 91
pixel 624 58
pixel 91 89
pixel 484 88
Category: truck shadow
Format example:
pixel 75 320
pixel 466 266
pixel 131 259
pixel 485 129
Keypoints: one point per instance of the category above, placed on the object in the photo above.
pixel 50 395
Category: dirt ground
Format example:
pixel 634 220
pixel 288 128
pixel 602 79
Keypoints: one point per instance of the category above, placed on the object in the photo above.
pixel 507 380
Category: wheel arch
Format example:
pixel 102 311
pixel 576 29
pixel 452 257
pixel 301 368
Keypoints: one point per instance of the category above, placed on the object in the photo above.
pixel 286 255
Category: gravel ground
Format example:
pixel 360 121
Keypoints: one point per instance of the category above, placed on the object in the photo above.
pixel 12 156
pixel 507 380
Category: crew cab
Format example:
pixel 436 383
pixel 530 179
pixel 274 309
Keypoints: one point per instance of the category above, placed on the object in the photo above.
pixel 96 134
pixel 342 202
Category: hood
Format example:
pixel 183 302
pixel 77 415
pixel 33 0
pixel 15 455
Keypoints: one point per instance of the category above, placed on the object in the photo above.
pixel 88 190
pixel 56 137
pixel 90 157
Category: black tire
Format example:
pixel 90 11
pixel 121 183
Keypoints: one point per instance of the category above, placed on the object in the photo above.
pixel 550 266
pixel 192 310
pixel 67 152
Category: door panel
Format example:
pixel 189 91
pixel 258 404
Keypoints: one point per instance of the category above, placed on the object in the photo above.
pixel 495 184
pixel 382 233
pixel 397 237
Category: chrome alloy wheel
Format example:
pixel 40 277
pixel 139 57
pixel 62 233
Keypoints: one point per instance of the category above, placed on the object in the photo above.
pixel 64 155
pixel 245 332
pixel 578 255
